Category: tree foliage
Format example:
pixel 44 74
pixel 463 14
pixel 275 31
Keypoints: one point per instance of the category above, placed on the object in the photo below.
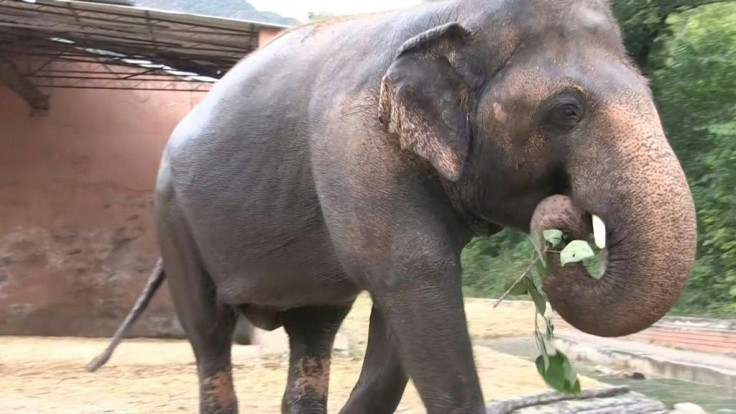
pixel 644 21
pixel 688 50
pixel 694 81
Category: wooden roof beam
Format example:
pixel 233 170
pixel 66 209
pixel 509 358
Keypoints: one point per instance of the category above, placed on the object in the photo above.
pixel 11 77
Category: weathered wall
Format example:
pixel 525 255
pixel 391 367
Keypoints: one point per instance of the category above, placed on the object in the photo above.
pixel 76 233
pixel 76 237
pixel 267 34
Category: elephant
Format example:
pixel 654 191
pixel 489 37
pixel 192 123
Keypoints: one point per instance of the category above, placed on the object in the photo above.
pixel 363 153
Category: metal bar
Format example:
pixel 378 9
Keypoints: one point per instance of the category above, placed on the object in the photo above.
pixel 122 88
pixel 198 64
pixel 97 63
pixel 115 25
pixel 11 77
pixel 101 78
pixel 10 51
pixel 145 72
pixel 213 56
pixel 44 65
pixel 171 39
pixel 91 72
pixel 146 16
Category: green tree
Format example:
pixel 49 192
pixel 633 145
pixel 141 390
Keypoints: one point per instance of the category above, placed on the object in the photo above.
pixel 644 21
pixel 313 16
pixel 695 86
pixel 490 264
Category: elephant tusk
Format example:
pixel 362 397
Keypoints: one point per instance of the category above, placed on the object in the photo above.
pixel 599 232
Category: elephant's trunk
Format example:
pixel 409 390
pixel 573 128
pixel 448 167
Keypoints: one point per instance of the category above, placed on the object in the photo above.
pixel 636 185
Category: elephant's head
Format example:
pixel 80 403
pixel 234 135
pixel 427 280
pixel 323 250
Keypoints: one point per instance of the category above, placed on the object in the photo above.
pixel 529 99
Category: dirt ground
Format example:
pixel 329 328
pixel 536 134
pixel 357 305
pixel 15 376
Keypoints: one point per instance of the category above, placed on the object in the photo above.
pixel 46 375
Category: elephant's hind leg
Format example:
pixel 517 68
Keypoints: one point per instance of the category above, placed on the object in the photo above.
pixel 311 332
pixel 209 323
pixel 382 380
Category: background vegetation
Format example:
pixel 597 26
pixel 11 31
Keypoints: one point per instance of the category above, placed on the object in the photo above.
pixel 688 50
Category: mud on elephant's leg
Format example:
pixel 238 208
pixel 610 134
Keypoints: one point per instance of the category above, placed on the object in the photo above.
pixel 382 379
pixel 311 332
pixel 208 323
pixel 216 391
pixel 217 395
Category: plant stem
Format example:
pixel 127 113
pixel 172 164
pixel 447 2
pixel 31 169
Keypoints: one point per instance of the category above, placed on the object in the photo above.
pixel 516 282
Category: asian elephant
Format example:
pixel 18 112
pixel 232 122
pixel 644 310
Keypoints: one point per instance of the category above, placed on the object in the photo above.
pixel 362 154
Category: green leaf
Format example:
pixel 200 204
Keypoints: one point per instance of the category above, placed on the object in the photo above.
pixel 540 269
pixel 542 347
pixel 542 363
pixel 545 359
pixel 554 375
pixel 537 248
pixel 537 280
pixel 559 373
pixel 571 375
pixel 595 265
pixel 575 387
pixel 553 237
pixel 538 299
pixel 576 251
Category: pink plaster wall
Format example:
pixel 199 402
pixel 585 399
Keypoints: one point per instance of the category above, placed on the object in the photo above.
pixel 76 237
pixel 76 233
pixel 267 34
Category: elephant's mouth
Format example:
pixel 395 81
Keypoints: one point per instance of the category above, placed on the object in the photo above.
pixel 559 212
pixel 565 284
pixel 632 292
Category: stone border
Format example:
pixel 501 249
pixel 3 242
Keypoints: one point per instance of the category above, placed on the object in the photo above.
pixel 698 323
pixel 650 359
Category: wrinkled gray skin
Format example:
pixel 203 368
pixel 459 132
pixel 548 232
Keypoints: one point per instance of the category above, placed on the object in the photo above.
pixel 364 153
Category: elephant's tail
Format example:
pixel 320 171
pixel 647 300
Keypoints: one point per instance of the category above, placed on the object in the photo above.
pixel 154 282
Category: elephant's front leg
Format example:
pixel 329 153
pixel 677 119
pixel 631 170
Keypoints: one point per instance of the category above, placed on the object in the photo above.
pixel 382 379
pixel 311 332
pixel 423 305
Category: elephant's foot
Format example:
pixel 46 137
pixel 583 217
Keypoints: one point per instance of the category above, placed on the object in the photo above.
pixel 218 394
pixel 307 388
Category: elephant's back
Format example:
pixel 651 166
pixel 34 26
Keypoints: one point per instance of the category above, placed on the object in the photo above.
pixel 259 119
pixel 241 164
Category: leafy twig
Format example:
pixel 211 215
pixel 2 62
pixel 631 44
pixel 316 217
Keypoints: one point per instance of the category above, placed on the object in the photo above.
pixel 516 282
pixel 553 365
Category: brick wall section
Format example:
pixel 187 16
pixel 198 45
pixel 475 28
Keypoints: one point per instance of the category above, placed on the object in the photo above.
pixel 267 34
pixel 670 334
pixel 76 234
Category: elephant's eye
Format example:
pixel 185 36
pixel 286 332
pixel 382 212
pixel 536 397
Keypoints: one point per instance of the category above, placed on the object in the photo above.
pixel 565 113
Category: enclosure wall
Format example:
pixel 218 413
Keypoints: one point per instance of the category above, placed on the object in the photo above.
pixel 76 235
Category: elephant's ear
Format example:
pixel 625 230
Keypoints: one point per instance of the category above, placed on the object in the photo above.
pixel 425 101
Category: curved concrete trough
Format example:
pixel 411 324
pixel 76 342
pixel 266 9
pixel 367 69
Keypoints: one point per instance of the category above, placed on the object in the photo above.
pixel 648 359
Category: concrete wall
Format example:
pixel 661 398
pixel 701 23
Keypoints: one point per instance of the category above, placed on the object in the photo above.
pixel 76 237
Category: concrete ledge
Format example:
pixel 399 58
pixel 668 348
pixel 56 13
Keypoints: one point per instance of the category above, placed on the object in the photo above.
pixel 698 334
pixel 650 359
pixel 698 323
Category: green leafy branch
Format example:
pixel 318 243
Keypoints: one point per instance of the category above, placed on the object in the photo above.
pixel 553 365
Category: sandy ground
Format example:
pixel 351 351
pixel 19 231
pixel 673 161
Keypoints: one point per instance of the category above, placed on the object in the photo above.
pixel 46 375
